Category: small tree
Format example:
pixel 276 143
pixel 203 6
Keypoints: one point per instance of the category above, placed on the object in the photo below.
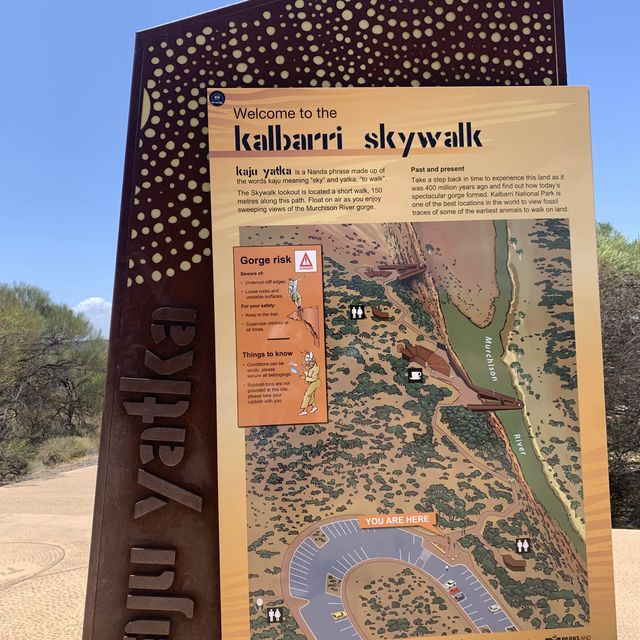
pixel 620 311
pixel 52 367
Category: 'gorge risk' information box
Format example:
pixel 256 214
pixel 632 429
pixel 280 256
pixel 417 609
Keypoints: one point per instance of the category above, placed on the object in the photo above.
pixel 407 331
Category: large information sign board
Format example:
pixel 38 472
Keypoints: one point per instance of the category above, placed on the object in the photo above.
pixel 156 510
pixel 458 481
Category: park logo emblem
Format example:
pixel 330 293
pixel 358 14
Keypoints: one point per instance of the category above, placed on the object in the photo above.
pixel 217 98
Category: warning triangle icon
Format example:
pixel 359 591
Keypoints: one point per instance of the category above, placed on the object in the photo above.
pixel 306 262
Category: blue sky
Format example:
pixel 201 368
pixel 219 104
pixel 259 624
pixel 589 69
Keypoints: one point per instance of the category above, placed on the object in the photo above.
pixel 66 71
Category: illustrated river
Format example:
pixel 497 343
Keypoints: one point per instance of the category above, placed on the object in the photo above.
pixel 468 341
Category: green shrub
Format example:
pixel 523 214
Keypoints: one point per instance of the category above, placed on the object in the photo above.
pixel 14 459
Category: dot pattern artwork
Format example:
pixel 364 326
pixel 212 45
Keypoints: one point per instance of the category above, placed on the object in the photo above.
pixel 301 43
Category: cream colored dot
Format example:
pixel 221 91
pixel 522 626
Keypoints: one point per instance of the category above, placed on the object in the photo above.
pixel 134 234
pixel 196 258
pixel 186 212
pixel 140 216
pixel 206 187
pixel 139 279
pixel 200 39
pixel 149 133
pixel 156 213
pixel 188 245
pixel 363 24
pixel 171 272
pixel 377 29
pixel 306 26
pixel 156 276
pixel 496 37
pixel 129 282
pixel 158 227
pixel 131 263
pixel 207 252
pixel 347 14
pixel 185 266
pixel 173 219
pixel 548 81
pixel 204 233
pixel 192 184
pixel 195 223
pixel 450 17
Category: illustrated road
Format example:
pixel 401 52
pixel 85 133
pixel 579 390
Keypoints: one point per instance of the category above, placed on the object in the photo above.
pixel 348 546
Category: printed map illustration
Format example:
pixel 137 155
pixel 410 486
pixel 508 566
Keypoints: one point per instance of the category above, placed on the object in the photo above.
pixel 483 436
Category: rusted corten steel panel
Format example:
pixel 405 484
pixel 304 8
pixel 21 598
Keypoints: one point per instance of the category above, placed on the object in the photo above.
pixel 154 557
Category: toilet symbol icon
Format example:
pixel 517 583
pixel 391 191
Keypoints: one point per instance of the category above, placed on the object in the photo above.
pixel 357 312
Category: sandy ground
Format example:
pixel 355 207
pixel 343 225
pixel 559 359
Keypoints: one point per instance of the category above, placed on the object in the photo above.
pixel 45 528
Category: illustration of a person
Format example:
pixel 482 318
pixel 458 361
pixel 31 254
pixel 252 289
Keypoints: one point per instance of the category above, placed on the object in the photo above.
pixel 294 294
pixel 311 375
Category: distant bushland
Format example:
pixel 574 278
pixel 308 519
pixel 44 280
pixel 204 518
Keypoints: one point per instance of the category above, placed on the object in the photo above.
pixel 619 261
pixel 52 372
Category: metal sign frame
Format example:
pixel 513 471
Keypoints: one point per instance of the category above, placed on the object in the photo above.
pixel 153 570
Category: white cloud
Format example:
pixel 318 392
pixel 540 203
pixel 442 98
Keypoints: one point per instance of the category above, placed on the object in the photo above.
pixel 98 310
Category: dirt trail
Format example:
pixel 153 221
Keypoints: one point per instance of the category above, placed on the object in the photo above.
pixel 45 529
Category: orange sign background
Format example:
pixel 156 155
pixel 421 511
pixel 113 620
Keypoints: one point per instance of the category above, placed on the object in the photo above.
pixel 279 328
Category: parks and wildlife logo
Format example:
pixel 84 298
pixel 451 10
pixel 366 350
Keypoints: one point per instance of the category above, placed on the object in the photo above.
pixel 555 636
pixel 217 98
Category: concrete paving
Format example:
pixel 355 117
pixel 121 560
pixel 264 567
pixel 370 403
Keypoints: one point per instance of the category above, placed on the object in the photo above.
pixel 45 529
